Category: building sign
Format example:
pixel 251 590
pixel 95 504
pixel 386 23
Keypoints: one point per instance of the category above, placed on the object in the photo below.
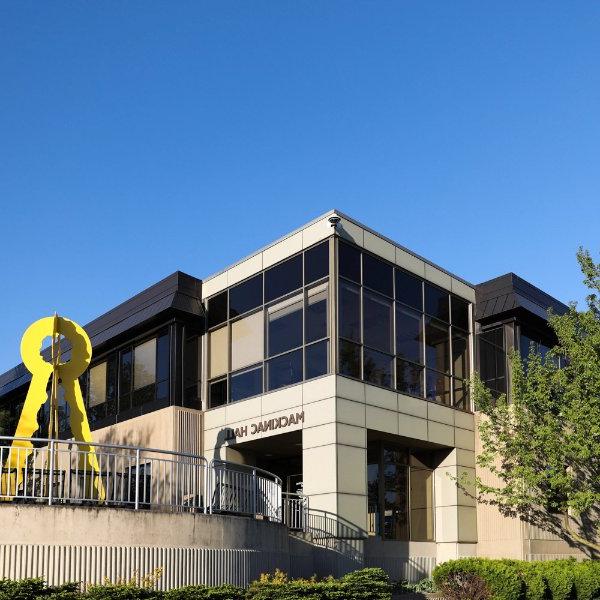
pixel 268 425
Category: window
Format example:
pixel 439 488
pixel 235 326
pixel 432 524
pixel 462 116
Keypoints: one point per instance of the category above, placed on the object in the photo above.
pixel 191 373
pixel 285 325
pixel 163 366
pixel 437 302
pixel 246 296
pixel 217 309
pixel 144 372
pixel 283 278
pixel 246 383
pixel 377 317
pixel 492 356
pixel 285 369
pixel 400 493
pixel 397 331
pixel 97 393
pixel 409 290
pixel 378 275
pixel 271 342
pixel 125 379
pixel 316 263
pixel 349 262
pixel 218 352
pixel 247 341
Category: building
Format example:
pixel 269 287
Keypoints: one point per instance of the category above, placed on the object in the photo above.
pixel 337 360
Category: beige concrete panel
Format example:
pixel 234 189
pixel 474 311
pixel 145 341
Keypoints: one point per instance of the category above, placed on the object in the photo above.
pixel 501 549
pixel 249 267
pixel 409 262
pixel 319 466
pixel 440 434
pixel 349 412
pixel 453 550
pixel 350 389
pixel 350 435
pixel 467 524
pixel 464 439
pixel 376 396
pixel 320 412
pixel 214 439
pixel 412 406
pixel 464 291
pixel 244 410
pixel 412 427
pixel 440 414
pixel 324 502
pixel 446 491
pixel 380 419
pixel 348 230
pixel 280 399
pixel 446 524
pixel 321 435
pixel 351 470
pixel 273 424
pixel 316 232
pixel 353 508
pixel 459 456
pixel 152 430
pixel 215 417
pixel 318 389
pixel 282 250
pixel 466 496
pixel 214 285
pixel 438 277
pixel 379 246
pixel 464 420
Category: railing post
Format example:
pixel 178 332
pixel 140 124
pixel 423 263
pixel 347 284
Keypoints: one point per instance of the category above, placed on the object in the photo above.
pixel 137 478
pixel 51 473
pixel 254 499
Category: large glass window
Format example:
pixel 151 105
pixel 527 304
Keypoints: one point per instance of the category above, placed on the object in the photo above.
pixel 400 493
pixel 492 356
pixel 273 342
pixel 144 364
pixel 246 296
pixel 395 330
pixel 217 309
pixel 247 341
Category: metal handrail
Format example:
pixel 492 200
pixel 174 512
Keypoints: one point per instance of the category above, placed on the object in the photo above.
pixel 61 472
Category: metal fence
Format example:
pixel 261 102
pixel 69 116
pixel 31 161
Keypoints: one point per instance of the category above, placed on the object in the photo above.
pixel 77 473
pixel 295 511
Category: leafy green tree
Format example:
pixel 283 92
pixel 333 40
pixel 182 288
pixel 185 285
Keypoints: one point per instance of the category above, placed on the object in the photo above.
pixel 543 445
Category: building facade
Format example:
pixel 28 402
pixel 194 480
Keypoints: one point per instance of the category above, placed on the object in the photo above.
pixel 337 360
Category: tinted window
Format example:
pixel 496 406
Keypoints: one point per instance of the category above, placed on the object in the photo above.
pixel 285 370
pixel 246 383
pixel 437 345
pixel 285 325
pixel 125 380
pixel 436 303
pixel 349 262
pixel 316 359
pixel 378 275
pixel 461 394
pixel 111 384
pixel 283 278
pixel 162 358
pixel 409 290
pixel 377 367
pixel 316 263
pixel 349 359
pixel 218 393
pixel 349 319
pixel 409 378
pixel 217 309
pixel 409 334
pixel 460 355
pixel 246 296
pixel 460 313
pixel 316 313
pixel 377 316
pixel 438 387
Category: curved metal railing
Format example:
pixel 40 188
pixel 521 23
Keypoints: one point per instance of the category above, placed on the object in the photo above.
pixel 48 471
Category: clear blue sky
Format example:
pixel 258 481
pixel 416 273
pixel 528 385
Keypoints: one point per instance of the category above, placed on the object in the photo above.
pixel 138 138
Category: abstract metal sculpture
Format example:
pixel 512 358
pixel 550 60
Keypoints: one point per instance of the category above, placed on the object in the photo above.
pixel 61 372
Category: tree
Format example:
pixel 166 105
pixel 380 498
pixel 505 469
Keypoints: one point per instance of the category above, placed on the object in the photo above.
pixel 543 443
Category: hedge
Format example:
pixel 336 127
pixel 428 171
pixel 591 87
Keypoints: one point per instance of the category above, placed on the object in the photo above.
pixel 521 580
pixel 365 584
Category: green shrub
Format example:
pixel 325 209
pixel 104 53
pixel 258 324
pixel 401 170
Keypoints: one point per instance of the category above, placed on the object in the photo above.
pixel 501 577
pixel 202 592
pixel 31 589
pixel 367 584
pixel 121 592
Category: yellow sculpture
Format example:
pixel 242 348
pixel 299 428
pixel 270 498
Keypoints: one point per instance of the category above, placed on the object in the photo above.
pixel 64 373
